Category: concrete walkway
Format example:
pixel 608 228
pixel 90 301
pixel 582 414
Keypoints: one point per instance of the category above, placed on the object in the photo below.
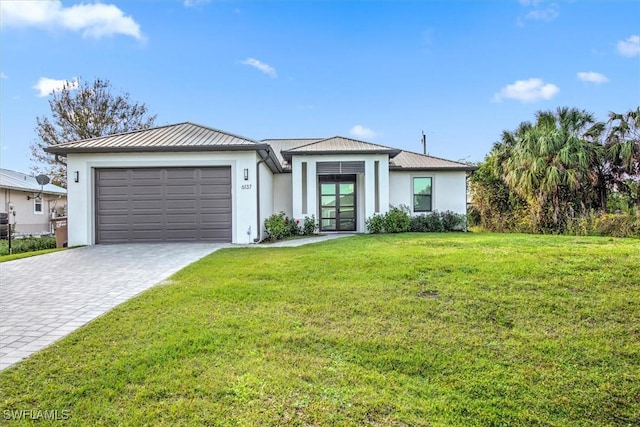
pixel 299 242
pixel 46 297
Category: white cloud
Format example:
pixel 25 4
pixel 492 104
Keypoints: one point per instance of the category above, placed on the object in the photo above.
pixel 592 77
pixel 360 131
pixel 93 20
pixel 265 68
pixel 192 3
pixel 547 14
pixel 3 75
pixel 47 86
pixel 629 47
pixel 530 90
pixel 537 11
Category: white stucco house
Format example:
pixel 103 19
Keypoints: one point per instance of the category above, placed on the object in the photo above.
pixel 34 205
pixel 187 182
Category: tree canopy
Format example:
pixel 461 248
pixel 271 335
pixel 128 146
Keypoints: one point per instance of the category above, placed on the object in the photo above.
pixel 563 165
pixel 82 110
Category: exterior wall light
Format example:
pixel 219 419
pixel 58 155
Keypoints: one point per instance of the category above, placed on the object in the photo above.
pixel 76 176
pixel 246 174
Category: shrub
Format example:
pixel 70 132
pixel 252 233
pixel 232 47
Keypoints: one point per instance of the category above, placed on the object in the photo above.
pixel 452 221
pixel 294 226
pixel 27 245
pixel 375 224
pixel 433 222
pixel 427 223
pixel 309 226
pixel 616 225
pixel 396 221
pixel 277 226
pixel 473 216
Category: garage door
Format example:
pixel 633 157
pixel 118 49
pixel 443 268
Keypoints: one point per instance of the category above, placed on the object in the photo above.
pixel 163 204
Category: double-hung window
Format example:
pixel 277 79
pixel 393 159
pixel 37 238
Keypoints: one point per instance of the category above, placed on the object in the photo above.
pixel 37 205
pixel 422 194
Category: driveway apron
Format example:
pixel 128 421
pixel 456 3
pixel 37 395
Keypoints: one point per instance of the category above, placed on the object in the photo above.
pixel 46 297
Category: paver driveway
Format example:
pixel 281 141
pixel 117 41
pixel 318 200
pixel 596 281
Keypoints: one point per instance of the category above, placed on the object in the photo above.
pixel 46 297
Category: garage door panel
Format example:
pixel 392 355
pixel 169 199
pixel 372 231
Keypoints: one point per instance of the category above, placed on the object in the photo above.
pixel 114 205
pixel 113 191
pixel 115 219
pixel 213 190
pixel 146 219
pixel 217 204
pixel 147 191
pixel 136 205
pixel 163 204
pixel 214 234
pixel 181 190
pixel 213 218
pixel 176 203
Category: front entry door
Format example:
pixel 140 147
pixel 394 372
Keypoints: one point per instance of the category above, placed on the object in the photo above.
pixel 337 203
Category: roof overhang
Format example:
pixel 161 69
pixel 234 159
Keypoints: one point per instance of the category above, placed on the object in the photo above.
pixel 288 154
pixel 32 190
pixel 264 151
pixel 436 168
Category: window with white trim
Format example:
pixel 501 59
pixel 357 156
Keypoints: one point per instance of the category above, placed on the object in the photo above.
pixel 37 205
pixel 422 194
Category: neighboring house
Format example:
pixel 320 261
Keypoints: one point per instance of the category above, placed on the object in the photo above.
pixel 187 182
pixel 34 205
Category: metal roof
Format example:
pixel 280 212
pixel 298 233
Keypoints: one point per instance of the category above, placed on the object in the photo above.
pixel 280 145
pixel 340 145
pixel 414 161
pixel 179 137
pixel 276 152
pixel 22 182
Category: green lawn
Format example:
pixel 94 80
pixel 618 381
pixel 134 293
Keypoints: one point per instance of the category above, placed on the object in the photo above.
pixel 5 258
pixel 414 329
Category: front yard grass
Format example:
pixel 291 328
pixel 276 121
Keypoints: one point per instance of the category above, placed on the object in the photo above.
pixel 11 257
pixel 413 329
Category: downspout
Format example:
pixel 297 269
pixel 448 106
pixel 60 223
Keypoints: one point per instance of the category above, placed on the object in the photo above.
pixel 258 239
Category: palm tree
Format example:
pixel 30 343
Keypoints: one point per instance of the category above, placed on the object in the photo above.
pixel 623 152
pixel 554 166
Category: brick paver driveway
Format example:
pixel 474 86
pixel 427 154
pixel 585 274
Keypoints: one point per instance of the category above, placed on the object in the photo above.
pixel 46 297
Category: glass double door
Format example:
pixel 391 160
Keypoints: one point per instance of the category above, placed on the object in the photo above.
pixel 338 203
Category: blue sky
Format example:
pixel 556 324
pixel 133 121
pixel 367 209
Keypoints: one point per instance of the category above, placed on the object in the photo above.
pixel 462 71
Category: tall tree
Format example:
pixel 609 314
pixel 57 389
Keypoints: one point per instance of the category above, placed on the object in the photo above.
pixel 82 110
pixel 554 166
pixel 623 153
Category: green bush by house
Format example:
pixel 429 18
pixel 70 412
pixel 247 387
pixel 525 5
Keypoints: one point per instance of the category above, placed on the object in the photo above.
pixel 30 244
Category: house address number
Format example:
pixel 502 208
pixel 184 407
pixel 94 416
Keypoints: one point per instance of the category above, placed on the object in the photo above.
pixel 246 186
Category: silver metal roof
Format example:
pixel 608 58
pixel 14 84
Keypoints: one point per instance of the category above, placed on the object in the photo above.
pixel 340 145
pixel 22 182
pixel 414 161
pixel 178 137
pixel 276 152
pixel 280 145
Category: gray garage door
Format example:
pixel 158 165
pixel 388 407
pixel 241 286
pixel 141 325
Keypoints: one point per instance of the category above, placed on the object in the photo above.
pixel 163 204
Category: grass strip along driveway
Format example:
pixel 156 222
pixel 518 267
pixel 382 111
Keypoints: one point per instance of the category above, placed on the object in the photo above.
pixel 414 329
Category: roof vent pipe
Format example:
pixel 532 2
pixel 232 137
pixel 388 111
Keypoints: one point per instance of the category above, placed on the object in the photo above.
pixel 424 143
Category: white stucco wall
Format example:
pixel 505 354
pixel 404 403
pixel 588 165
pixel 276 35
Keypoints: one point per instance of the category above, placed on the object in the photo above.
pixel 27 221
pixel 81 201
pixel 449 189
pixel 266 196
pixel 282 195
pixel 365 185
